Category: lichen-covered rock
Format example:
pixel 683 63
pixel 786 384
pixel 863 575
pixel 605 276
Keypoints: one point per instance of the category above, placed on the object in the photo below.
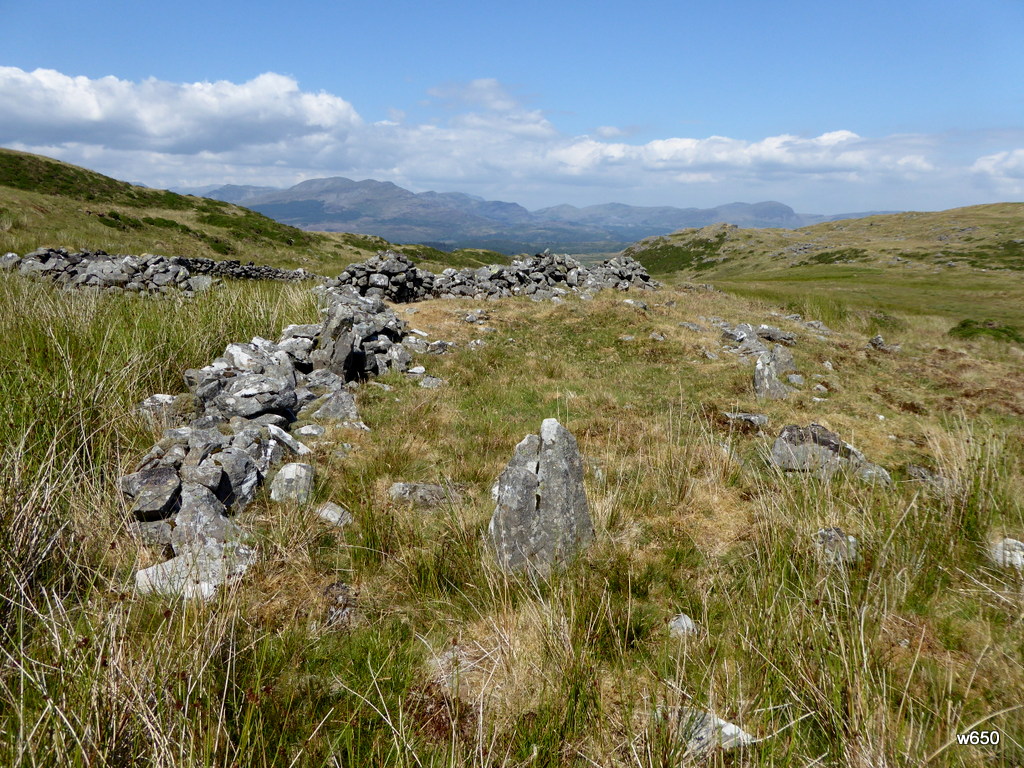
pixel 293 483
pixel 421 494
pixel 542 518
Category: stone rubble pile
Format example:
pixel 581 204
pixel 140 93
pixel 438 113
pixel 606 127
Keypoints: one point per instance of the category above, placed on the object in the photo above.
pixel 238 413
pixel 393 276
pixel 146 274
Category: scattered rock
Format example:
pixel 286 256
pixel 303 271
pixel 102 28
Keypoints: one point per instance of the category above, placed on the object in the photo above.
pixel 542 518
pixel 432 382
pixel 702 731
pixel 836 547
pixel 335 514
pixel 878 343
pixel 682 625
pixel 341 605
pixel 756 420
pixel 422 494
pixel 816 449
pixel 293 483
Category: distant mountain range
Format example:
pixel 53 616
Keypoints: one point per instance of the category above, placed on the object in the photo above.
pixel 455 220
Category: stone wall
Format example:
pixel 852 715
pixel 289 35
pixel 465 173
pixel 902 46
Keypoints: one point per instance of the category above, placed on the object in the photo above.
pixel 147 274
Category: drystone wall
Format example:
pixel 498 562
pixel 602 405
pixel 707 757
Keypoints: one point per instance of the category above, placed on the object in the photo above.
pixel 393 276
pixel 145 274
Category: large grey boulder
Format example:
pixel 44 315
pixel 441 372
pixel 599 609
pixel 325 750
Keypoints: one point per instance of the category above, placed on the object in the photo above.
pixel 542 518
pixel 820 451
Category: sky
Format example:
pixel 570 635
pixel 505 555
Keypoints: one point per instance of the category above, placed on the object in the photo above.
pixel 827 107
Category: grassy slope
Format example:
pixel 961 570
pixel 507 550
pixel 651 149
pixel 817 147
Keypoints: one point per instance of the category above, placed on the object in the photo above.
pixel 853 263
pixel 44 202
pixel 881 665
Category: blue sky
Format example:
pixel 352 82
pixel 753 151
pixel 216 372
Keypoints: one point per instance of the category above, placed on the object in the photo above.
pixel 827 107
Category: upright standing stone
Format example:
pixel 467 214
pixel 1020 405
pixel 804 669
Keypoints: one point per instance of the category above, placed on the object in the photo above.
pixel 542 518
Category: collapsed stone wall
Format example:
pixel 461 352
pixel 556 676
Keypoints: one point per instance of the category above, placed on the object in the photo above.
pixel 147 273
pixel 236 425
pixel 393 276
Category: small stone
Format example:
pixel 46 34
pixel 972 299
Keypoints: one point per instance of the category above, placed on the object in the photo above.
pixel 432 382
pixel 417 370
pixel 310 430
pixel 752 419
pixel 335 514
pixel 657 337
pixel 682 625
pixel 1007 553
pixel 299 449
pixel 836 547
pixel 293 483
pixel 702 731
pixel 341 605
pixel 421 494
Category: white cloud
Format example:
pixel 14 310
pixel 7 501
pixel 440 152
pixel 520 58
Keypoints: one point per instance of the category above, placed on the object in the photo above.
pixel 269 131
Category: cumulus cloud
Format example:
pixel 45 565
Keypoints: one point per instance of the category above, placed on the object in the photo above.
pixel 267 130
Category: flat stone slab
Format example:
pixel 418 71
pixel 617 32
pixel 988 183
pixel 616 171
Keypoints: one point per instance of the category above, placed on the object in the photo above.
pixel 197 572
pixel 421 494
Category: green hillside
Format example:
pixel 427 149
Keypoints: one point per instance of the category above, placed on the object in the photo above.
pixel 964 263
pixel 45 202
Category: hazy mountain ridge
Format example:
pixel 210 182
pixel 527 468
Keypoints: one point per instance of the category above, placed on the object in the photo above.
pixel 456 219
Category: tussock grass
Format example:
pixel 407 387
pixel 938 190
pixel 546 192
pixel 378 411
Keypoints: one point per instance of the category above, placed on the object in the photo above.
pixel 451 662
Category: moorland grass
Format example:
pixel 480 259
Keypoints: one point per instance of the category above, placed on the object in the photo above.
pixel 451 662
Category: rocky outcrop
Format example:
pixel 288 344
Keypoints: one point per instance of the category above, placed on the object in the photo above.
pixel 542 518
pixel 817 450
pixel 393 276
pixel 145 274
